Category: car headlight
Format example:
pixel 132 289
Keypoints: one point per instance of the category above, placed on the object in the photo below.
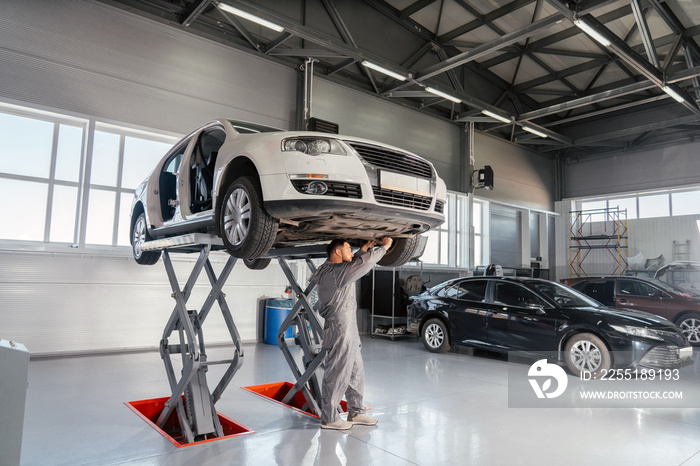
pixel 313 145
pixel 638 331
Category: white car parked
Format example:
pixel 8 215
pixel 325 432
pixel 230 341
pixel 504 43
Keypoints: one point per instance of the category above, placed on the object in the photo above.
pixel 258 188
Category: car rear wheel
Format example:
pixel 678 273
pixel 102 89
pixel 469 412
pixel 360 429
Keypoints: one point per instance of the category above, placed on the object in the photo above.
pixel 400 252
pixel 690 324
pixel 435 337
pixel 247 231
pixel 586 352
pixel 139 235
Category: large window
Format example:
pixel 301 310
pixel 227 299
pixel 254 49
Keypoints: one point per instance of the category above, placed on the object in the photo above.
pixel 120 162
pixel 648 205
pixel 39 176
pixel 44 163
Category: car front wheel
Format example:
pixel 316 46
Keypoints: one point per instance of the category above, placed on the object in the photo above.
pixel 690 324
pixel 586 352
pixel 248 232
pixel 401 251
pixel 139 235
pixel 435 337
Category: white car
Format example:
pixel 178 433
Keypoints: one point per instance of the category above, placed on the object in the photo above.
pixel 260 188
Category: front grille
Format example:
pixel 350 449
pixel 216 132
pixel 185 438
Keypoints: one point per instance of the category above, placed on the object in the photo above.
pixel 664 356
pixel 336 189
pixel 401 199
pixel 395 161
pixel 439 206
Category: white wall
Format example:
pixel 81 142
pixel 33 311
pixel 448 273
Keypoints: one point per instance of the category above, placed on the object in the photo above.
pixel 521 177
pixel 82 302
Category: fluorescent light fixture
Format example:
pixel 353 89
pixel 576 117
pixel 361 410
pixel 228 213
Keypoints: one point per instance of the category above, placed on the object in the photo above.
pixel 534 131
pixel 495 116
pixel 249 17
pixel 443 95
pixel 383 70
pixel 679 98
pixel 591 32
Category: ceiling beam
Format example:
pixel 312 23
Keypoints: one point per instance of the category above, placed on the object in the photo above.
pixel 647 39
pixel 415 7
pixel 482 20
pixel 195 9
pixel 556 38
pixel 628 55
pixel 489 47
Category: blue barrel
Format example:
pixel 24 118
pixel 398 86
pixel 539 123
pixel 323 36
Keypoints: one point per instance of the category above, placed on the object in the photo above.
pixel 276 310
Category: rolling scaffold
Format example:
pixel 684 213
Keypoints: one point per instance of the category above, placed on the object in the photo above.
pixel 190 398
pixel 603 229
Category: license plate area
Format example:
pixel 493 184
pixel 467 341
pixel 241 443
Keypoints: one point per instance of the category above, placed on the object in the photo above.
pixel 404 183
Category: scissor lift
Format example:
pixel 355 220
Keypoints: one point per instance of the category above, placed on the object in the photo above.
pixel 191 399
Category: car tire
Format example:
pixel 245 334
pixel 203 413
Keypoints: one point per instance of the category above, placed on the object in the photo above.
pixel 400 252
pixel 247 231
pixel 257 264
pixel 586 352
pixel 139 235
pixel 690 325
pixel 435 337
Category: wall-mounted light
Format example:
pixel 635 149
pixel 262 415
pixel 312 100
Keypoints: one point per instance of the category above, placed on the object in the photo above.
pixel 495 116
pixel 250 17
pixel 534 131
pixel 383 70
pixel 591 32
pixel 443 95
pixel 668 90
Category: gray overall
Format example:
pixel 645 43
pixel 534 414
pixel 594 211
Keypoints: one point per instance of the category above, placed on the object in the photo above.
pixel 344 370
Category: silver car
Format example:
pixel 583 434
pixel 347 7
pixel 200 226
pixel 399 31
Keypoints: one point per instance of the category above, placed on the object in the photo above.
pixel 260 188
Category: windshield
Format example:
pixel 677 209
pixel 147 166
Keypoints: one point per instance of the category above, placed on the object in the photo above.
pixel 562 295
pixel 250 128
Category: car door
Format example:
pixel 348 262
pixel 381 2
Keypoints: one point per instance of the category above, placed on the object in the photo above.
pixel 520 319
pixel 196 177
pixel 464 303
pixel 642 296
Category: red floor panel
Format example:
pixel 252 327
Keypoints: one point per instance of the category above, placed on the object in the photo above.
pixel 277 391
pixel 149 410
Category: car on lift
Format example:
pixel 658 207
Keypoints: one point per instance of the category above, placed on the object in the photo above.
pixel 537 316
pixel 645 294
pixel 259 188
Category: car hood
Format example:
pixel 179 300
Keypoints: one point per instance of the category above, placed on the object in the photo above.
pixel 625 316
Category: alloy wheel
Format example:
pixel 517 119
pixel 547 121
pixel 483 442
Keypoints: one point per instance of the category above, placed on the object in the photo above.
pixel 434 335
pixel 691 329
pixel 586 356
pixel 237 212
pixel 139 236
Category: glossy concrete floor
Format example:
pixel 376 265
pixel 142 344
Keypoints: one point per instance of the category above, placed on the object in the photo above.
pixel 433 409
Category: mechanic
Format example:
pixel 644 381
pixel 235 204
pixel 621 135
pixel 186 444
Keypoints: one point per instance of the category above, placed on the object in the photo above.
pixel 344 369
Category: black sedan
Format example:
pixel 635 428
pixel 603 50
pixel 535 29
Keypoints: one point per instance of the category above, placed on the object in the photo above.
pixel 539 316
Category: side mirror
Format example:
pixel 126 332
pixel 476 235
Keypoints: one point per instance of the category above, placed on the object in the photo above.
pixel 539 308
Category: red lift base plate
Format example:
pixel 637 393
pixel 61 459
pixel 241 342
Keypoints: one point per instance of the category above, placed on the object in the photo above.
pixel 149 410
pixel 277 391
